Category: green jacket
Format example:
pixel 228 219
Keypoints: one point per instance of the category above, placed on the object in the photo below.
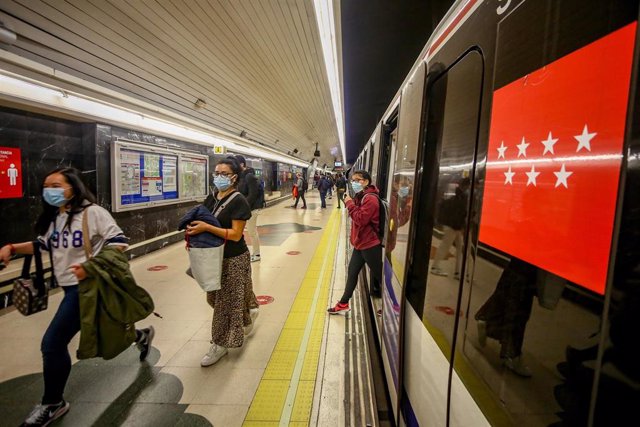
pixel 110 303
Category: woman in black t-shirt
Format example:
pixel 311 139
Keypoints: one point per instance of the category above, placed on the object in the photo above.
pixel 235 307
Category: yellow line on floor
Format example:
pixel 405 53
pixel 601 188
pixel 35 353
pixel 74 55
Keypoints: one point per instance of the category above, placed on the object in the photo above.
pixel 285 393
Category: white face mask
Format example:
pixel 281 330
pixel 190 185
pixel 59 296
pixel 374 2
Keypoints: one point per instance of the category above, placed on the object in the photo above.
pixel 357 187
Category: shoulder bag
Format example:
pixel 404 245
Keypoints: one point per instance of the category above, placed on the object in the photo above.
pixel 30 292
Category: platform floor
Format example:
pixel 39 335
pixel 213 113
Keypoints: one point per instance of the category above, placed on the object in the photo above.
pixel 290 370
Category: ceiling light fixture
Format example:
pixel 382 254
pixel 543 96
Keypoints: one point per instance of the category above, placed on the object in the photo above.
pixel 45 95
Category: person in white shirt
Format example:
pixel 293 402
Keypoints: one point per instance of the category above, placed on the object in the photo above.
pixel 65 201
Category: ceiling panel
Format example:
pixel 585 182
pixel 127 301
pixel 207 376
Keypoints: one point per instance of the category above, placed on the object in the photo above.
pixel 258 64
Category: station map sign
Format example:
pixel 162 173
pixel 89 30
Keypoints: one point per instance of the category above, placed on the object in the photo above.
pixel 145 176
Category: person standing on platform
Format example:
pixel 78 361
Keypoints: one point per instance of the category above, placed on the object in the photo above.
pixel 330 190
pixel 364 211
pixel 323 186
pixel 235 307
pixel 452 216
pixel 341 187
pixel 301 184
pixel 249 187
pixel 66 200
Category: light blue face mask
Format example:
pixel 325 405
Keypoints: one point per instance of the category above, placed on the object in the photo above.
pixel 403 191
pixel 54 196
pixel 357 187
pixel 222 183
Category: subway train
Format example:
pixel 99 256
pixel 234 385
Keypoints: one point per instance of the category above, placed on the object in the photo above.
pixel 510 160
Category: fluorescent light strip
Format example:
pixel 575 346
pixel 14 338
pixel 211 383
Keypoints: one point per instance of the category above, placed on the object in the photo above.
pixel 326 27
pixel 90 108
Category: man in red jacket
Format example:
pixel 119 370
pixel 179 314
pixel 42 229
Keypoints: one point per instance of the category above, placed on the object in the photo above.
pixel 364 210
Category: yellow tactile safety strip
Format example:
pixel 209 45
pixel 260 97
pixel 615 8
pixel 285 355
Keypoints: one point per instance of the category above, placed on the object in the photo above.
pixel 268 406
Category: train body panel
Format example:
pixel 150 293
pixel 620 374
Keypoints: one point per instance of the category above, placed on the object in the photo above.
pixel 507 113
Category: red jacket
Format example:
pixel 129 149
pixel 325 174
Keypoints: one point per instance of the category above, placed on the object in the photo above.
pixel 365 218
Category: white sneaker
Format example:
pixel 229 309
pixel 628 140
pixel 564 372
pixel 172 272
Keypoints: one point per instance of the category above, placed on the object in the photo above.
pixel 214 354
pixel 438 272
pixel 253 312
pixel 517 366
pixel 255 257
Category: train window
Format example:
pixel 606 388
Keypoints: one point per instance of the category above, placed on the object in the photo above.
pixel 543 219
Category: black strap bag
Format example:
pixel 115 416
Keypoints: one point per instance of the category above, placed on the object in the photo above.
pixel 30 291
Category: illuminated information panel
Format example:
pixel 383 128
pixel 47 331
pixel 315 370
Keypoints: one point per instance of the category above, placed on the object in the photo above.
pixel 145 176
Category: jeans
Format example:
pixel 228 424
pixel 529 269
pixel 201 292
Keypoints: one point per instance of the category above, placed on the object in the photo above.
pixel 340 192
pixel 323 199
pixel 55 353
pixel 373 258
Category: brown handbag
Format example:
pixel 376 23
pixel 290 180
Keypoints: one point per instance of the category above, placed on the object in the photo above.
pixel 30 292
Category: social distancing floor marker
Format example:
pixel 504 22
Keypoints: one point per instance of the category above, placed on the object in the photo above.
pixel 285 393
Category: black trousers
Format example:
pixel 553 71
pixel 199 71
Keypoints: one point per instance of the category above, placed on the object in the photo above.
pixel 304 202
pixel 373 258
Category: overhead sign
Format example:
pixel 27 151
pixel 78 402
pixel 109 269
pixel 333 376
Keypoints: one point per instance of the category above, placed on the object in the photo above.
pixel 219 149
pixel 10 173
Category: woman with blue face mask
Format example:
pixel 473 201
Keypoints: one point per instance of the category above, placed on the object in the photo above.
pixel 364 211
pixel 65 202
pixel 235 307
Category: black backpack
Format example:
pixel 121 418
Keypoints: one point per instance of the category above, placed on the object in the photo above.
pixel 383 218
pixel 305 184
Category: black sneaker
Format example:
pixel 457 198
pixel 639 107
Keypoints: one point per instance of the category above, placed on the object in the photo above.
pixel 43 415
pixel 144 345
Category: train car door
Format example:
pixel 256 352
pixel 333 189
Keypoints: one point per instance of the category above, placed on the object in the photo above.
pixel 434 280
pixel 404 154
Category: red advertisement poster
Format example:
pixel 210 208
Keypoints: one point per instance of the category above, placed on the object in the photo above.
pixel 10 173
pixel 555 151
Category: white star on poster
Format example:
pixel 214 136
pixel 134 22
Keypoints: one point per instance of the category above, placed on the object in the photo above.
pixel 508 176
pixel 584 139
pixel 562 176
pixel 522 148
pixel 548 144
pixel 532 175
pixel 501 150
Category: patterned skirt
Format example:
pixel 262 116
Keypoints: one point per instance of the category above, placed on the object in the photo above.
pixel 232 302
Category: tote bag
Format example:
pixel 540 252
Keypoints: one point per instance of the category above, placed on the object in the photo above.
pixel 206 267
pixel 206 263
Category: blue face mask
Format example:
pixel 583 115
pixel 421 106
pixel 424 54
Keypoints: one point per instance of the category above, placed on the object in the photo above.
pixel 357 187
pixel 403 191
pixel 222 183
pixel 54 196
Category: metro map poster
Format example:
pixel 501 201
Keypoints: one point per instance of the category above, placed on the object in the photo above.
pixel 147 177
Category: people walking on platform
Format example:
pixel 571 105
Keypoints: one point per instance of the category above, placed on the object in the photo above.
pixel 341 188
pixel 72 229
pixel 330 190
pixel 364 211
pixel 235 307
pixel 505 314
pixel 323 187
pixel 452 216
pixel 301 185
pixel 249 187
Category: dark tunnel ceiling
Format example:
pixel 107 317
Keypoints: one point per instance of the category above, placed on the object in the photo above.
pixel 381 39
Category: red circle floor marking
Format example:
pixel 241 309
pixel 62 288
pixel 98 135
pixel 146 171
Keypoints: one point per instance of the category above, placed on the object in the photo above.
pixel 264 299
pixel 293 253
pixel 157 268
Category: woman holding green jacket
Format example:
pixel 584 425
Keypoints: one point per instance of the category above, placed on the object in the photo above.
pixel 65 199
